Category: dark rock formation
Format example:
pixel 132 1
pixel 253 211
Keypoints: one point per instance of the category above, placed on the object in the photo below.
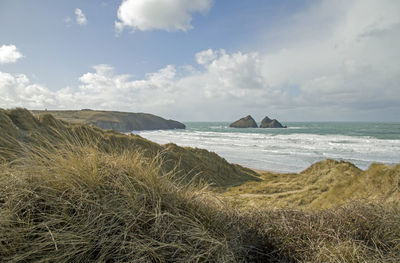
pixel 268 123
pixel 246 122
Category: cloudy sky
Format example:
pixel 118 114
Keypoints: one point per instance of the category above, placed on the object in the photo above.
pixel 306 60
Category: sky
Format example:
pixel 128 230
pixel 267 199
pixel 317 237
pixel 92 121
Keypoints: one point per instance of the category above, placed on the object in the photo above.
pixel 204 60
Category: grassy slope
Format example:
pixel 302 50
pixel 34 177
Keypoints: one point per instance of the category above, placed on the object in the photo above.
pixel 79 204
pixel 19 128
pixel 325 184
pixel 119 121
pixel 80 194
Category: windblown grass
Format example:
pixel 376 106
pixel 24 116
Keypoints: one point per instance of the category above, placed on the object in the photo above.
pixel 79 204
pixel 82 205
pixel 358 232
pixel 325 184
pixel 19 128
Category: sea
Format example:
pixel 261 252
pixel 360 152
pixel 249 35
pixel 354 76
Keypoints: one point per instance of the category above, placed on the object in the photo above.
pixel 292 149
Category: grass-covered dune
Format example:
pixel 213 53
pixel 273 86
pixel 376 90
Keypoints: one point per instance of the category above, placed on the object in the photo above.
pixel 75 193
pixel 20 129
pixel 84 205
pixel 118 121
pixel 325 184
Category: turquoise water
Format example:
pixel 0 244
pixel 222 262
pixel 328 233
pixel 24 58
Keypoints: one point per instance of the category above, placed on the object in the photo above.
pixel 292 149
pixel 390 131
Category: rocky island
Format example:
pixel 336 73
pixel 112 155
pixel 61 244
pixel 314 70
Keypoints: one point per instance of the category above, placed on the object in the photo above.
pixel 249 122
pixel 268 123
pixel 246 122
pixel 115 120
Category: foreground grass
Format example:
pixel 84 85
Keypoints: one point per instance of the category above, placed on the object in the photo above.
pixel 78 204
pixel 81 205
pixel 357 232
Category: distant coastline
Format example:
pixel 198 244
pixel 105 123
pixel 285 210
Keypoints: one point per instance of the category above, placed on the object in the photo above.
pixel 114 120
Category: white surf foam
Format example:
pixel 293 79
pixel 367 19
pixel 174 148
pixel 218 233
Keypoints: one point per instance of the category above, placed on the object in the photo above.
pixel 284 152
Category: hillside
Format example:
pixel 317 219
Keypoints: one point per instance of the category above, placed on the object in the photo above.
pixel 20 129
pixel 118 121
pixel 325 184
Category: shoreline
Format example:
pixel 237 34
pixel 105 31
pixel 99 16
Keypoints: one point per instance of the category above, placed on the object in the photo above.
pixel 290 151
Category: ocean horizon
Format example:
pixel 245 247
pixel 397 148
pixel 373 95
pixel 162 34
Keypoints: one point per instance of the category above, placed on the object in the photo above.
pixel 291 149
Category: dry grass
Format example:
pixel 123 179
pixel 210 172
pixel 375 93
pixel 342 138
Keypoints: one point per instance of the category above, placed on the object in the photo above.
pixel 325 184
pixel 359 232
pixel 81 205
pixel 21 128
pixel 78 204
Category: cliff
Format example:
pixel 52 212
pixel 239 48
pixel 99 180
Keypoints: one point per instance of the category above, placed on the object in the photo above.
pixel 115 120
pixel 246 122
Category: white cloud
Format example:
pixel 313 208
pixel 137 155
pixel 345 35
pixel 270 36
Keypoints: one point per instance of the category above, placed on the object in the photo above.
pixel 107 90
pixel 159 14
pixel 204 57
pixel 229 75
pixel 17 91
pixel 221 81
pixel 354 63
pixel 101 89
pixel 224 85
pixel 80 17
pixel 9 54
pixel 68 21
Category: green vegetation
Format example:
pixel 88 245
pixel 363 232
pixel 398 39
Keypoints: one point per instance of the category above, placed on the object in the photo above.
pixel 76 193
pixel 118 121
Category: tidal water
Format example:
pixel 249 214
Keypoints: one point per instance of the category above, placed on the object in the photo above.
pixel 292 149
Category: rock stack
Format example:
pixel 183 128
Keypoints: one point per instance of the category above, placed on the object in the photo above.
pixel 268 123
pixel 246 122
pixel 249 122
